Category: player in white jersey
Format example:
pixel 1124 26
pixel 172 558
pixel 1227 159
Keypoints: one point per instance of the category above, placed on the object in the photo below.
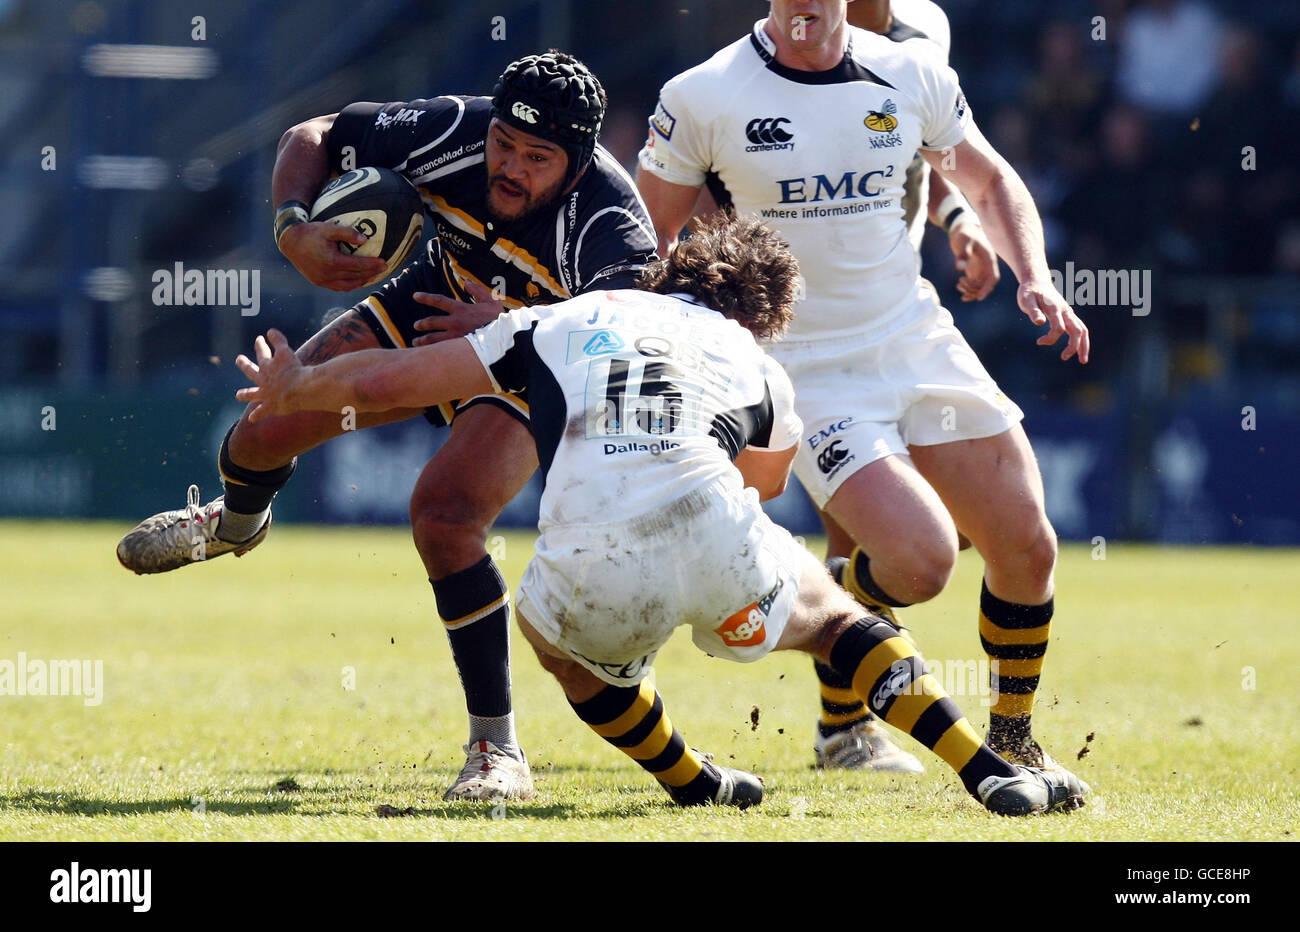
pixel 659 422
pixel 847 734
pixel 907 440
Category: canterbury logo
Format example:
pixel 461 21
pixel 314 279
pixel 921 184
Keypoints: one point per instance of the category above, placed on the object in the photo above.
pixel 767 130
pixel 900 675
pixel 831 456
pixel 883 120
pixel 524 112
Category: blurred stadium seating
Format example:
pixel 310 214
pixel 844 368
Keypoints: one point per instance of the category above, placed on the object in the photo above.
pixel 1135 146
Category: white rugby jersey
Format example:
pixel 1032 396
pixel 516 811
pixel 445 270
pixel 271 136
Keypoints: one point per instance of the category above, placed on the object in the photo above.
pixel 820 156
pixel 635 399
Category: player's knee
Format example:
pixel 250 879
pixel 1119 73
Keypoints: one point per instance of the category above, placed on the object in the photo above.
pixel 1029 547
pixel 1040 555
pixel 928 566
pixel 437 517
pixel 571 676
pixel 265 444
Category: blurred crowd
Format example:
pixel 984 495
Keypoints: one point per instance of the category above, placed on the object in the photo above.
pixel 1157 136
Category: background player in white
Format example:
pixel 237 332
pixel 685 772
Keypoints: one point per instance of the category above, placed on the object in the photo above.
pixel 641 403
pixel 907 439
pixel 847 733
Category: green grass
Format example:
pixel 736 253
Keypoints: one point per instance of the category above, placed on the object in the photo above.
pixel 220 681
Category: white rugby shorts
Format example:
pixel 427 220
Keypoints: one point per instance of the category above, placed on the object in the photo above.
pixel 610 595
pixel 864 399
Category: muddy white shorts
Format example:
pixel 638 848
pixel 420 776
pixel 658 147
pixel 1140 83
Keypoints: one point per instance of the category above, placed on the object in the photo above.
pixel 862 399
pixel 610 595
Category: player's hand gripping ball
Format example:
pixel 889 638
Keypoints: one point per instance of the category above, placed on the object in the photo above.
pixel 379 203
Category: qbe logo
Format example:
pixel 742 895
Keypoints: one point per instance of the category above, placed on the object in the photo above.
pixel 768 134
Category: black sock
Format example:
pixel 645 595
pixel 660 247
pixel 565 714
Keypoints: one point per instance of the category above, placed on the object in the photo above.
pixel 475 607
pixel 249 491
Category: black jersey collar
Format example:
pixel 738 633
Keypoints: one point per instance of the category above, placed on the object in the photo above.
pixel 901 32
pixel 846 72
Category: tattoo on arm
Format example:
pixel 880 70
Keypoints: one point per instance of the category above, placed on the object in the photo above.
pixel 344 334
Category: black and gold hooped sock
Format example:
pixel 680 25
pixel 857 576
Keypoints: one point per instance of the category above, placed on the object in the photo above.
pixel 860 584
pixel 632 718
pixel 890 677
pixel 841 707
pixel 1015 638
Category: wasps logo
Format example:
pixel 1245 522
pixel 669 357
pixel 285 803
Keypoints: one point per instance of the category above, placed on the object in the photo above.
pixel 883 120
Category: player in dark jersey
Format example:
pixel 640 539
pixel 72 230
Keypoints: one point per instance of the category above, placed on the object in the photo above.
pixel 669 468
pixel 527 208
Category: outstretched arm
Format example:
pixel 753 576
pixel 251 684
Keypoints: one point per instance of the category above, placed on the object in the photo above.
pixel 367 380
pixel 1007 211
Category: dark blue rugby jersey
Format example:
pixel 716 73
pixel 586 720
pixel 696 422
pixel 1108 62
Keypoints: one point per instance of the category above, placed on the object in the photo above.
pixel 598 236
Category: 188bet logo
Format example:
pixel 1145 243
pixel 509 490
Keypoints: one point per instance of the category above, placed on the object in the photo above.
pixel 744 627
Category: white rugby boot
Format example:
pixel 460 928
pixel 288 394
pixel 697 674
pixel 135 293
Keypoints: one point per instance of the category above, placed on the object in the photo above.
pixel 172 539
pixel 490 773
pixel 864 746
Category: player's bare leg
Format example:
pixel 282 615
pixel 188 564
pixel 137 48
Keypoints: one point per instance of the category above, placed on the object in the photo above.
pixel 256 460
pixel 486 460
pixel 888 675
pixel 848 736
pixel 892 513
pixel 994 491
pixel 898 519
pixel 633 719
pixel 839 543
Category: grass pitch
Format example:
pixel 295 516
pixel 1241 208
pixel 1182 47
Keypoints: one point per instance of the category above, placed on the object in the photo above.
pixel 226 711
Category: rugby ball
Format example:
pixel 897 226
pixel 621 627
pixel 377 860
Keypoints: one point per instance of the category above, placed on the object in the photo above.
pixel 381 204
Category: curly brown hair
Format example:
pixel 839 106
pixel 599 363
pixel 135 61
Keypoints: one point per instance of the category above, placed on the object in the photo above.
pixel 735 265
